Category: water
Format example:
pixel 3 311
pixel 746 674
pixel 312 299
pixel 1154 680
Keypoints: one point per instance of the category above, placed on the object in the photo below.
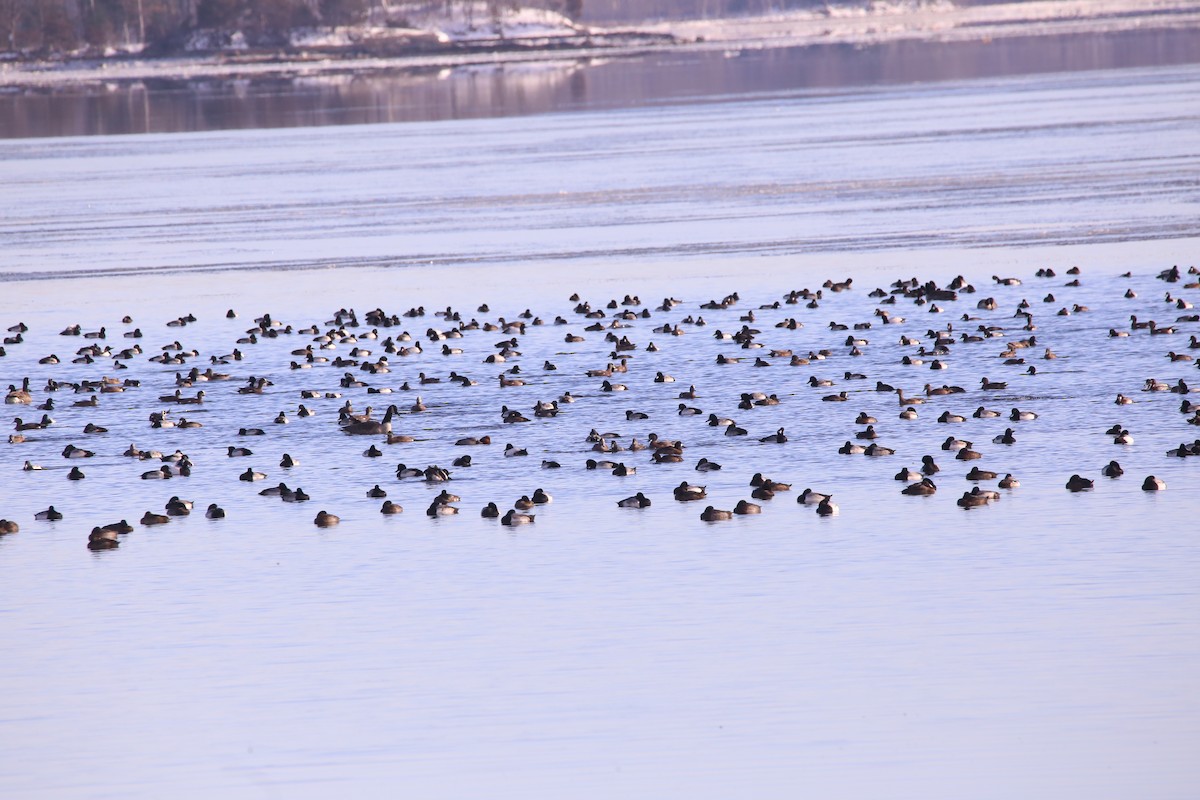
pixel 1043 645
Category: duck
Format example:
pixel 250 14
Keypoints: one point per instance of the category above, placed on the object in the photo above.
pixel 746 507
pixel 214 511
pixel 162 473
pixel 947 417
pixel 516 518
pixel 76 474
pixel 710 514
pixel 52 514
pixel 237 452
pixel 1079 484
pixel 376 492
pixel 851 449
pixel 287 462
pixel 969 500
pixel 1016 415
pixel 810 498
pixel 733 430
pixel 1112 470
pixel 967 454
pixel 992 385
pixel 685 492
pixel 1153 484
pixel 704 465
pixel 540 497
pixel 1009 482
pixel 490 511
pixel 924 488
pixel 906 474
pixel 326 520
pixel 908 413
pixel 827 508
pixel 977 474
pixel 955 444
pixel 150 518
pixel 512 451
pixel 1005 438
pixel 251 475
pixel 638 500
pixel 929 466
pixel 98 539
pixel 984 413
pixel 776 438
pixel 908 401
pixel 177 507
pixel 437 509
pixel 875 450
pixel 719 422
pixel 389 508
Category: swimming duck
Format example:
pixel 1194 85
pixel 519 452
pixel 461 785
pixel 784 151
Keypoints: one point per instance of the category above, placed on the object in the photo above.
pixel 1005 438
pixel 967 454
pixel 1078 484
pixel 776 438
pixel 875 450
pixel 947 417
pixel 1009 482
pixel 376 492
pixel 236 452
pixel 733 430
pixel 638 500
pixel 214 512
pixel 150 518
pixel 287 462
pixel 745 507
pixel 76 474
pixel 490 511
pixel 810 498
pixel 908 413
pixel 907 474
pixel 516 518
pixel 704 465
pixel 827 508
pixel 710 514
pixel 389 507
pixel 251 475
pixel 969 500
pixel 540 497
pixel 98 539
pixel 977 474
pixel 512 451
pixel 929 466
pixel 685 492
pixel 1153 484
pixel 326 520
pixel 50 514
pixel 1016 415
pixel 925 488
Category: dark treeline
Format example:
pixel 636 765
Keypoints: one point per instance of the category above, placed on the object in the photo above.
pixel 44 27
pixel 48 27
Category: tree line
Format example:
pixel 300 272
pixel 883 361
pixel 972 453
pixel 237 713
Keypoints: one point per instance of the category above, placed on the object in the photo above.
pixel 44 27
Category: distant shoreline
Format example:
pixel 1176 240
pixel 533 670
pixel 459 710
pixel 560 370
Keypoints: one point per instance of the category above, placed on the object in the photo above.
pixel 922 22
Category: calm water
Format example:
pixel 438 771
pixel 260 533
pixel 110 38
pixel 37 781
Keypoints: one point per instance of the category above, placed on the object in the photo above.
pixel 1046 645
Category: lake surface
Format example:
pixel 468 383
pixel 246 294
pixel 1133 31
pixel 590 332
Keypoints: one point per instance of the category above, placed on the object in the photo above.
pixel 1045 645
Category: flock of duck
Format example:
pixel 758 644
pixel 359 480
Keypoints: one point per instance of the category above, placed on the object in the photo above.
pixel 371 358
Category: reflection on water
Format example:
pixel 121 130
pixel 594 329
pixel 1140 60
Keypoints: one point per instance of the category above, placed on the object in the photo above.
pixel 517 89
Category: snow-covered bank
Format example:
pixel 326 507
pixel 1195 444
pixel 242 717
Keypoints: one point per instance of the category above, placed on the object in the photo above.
pixel 521 38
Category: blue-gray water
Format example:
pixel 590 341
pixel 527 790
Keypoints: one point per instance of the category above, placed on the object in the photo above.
pixel 1042 646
